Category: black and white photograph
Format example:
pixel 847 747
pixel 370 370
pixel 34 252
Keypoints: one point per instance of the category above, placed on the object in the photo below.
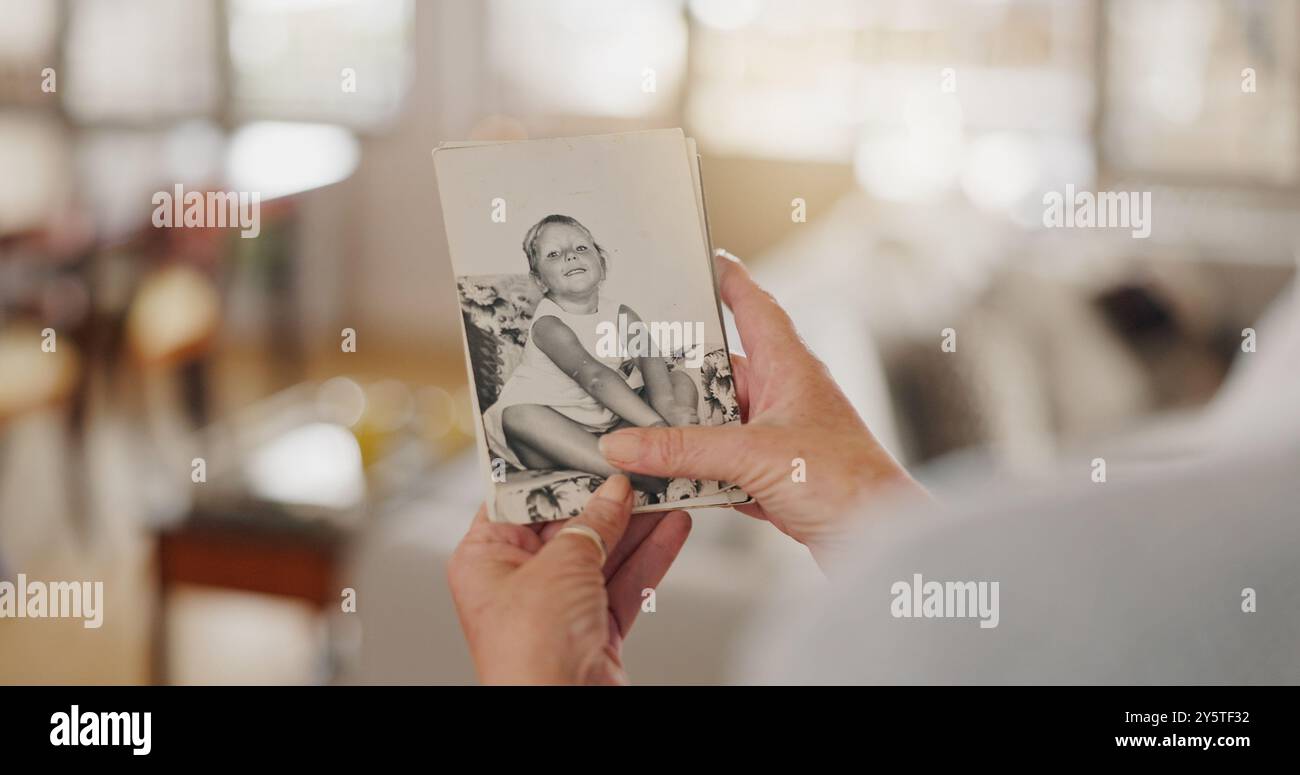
pixel 588 301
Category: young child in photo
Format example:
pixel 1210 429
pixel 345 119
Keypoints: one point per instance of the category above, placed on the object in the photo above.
pixel 562 397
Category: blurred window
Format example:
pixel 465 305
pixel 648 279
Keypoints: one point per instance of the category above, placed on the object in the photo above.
pixel 1204 89
pixel 340 61
pixel 924 97
pixel 141 61
pixel 774 78
pixel 28 37
pixel 587 57
pixel 153 62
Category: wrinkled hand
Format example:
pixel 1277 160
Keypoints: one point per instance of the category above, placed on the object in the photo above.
pixel 538 607
pixel 793 411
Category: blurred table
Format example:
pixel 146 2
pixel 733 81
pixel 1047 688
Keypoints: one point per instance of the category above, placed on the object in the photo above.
pixel 255 547
pixel 282 492
pixel 287 487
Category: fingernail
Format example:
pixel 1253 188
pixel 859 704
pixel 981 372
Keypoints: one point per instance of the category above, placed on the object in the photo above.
pixel 615 488
pixel 620 447
pixel 722 253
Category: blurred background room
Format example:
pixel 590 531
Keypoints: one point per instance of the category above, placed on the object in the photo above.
pixel 262 446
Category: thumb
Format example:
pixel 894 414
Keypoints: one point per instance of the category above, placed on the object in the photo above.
pixel 690 451
pixel 607 512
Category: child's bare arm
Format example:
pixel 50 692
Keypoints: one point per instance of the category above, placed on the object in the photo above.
pixel 604 384
pixel 658 387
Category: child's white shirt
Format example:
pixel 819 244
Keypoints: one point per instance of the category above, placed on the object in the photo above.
pixel 538 380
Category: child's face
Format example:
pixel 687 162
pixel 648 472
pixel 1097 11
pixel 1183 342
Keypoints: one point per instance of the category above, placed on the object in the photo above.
pixel 567 261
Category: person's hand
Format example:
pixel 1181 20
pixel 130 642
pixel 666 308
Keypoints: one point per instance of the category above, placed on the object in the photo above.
pixel 676 414
pixel 538 607
pixel 798 425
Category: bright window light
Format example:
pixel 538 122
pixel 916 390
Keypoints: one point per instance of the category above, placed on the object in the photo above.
pixel 588 57
pixel 279 159
pixel 342 61
pixel 140 61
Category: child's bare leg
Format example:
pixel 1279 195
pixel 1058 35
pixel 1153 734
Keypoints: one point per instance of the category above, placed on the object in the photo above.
pixel 531 458
pixel 684 390
pixel 547 436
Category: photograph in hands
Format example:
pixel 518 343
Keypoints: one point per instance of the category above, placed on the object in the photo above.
pixel 588 300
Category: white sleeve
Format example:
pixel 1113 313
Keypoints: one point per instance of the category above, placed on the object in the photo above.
pixel 1191 575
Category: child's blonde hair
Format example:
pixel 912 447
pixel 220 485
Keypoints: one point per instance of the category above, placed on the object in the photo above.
pixel 535 233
